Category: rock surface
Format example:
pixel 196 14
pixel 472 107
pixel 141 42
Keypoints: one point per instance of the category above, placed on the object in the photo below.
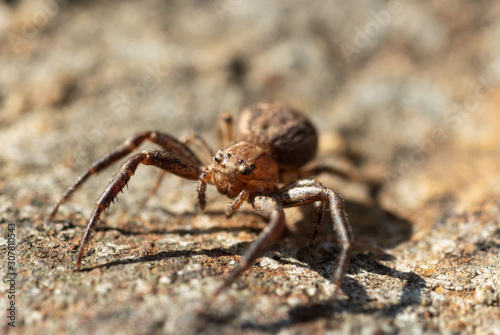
pixel 408 92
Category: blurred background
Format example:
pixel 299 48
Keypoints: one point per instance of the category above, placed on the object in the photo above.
pixel 406 91
pixel 389 84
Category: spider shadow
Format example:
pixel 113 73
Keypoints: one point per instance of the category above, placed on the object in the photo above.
pixel 212 252
pixel 376 229
pixel 371 224
pixel 188 216
pixel 215 252
pixel 355 304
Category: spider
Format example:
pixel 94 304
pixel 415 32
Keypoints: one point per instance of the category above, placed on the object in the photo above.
pixel 274 143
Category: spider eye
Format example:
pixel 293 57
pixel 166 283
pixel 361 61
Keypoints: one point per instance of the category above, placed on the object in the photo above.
pixel 246 171
pixel 218 157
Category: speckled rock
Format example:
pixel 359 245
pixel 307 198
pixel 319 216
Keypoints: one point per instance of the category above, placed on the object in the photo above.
pixel 405 93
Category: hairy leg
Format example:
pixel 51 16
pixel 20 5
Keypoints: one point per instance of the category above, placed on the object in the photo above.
pixel 202 149
pixel 236 204
pixel 272 210
pixel 161 159
pixel 307 193
pixel 319 209
pixel 203 180
pixel 169 143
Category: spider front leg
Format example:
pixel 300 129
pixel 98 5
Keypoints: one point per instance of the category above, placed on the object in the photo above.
pixel 168 161
pixel 307 192
pixel 166 141
pixel 237 202
pixel 273 211
pixel 203 180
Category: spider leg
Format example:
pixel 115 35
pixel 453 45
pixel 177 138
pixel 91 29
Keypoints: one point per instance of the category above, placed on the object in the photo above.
pixel 164 160
pixel 318 169
pixel 204 178
pixel 300 183
pixel 374 185
pixel 236 204
pixel 166 141
pixel 310 192
pixel 202 149
pixel 319 210
pixel 154 189
pixel 272 210
pixel 226 134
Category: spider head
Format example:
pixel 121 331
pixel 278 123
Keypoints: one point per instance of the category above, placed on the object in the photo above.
pixel 244 165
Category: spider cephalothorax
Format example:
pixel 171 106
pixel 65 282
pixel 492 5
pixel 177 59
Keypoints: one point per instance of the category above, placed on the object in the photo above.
pixel 244 166
pixel 273 140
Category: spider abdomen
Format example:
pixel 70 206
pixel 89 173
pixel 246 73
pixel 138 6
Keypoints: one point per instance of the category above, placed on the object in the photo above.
pixel 285 132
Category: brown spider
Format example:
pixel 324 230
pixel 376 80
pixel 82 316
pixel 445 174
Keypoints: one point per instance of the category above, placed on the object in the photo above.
pixel 274 142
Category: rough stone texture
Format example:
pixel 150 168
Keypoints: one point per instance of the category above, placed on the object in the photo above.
pixel 411 98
